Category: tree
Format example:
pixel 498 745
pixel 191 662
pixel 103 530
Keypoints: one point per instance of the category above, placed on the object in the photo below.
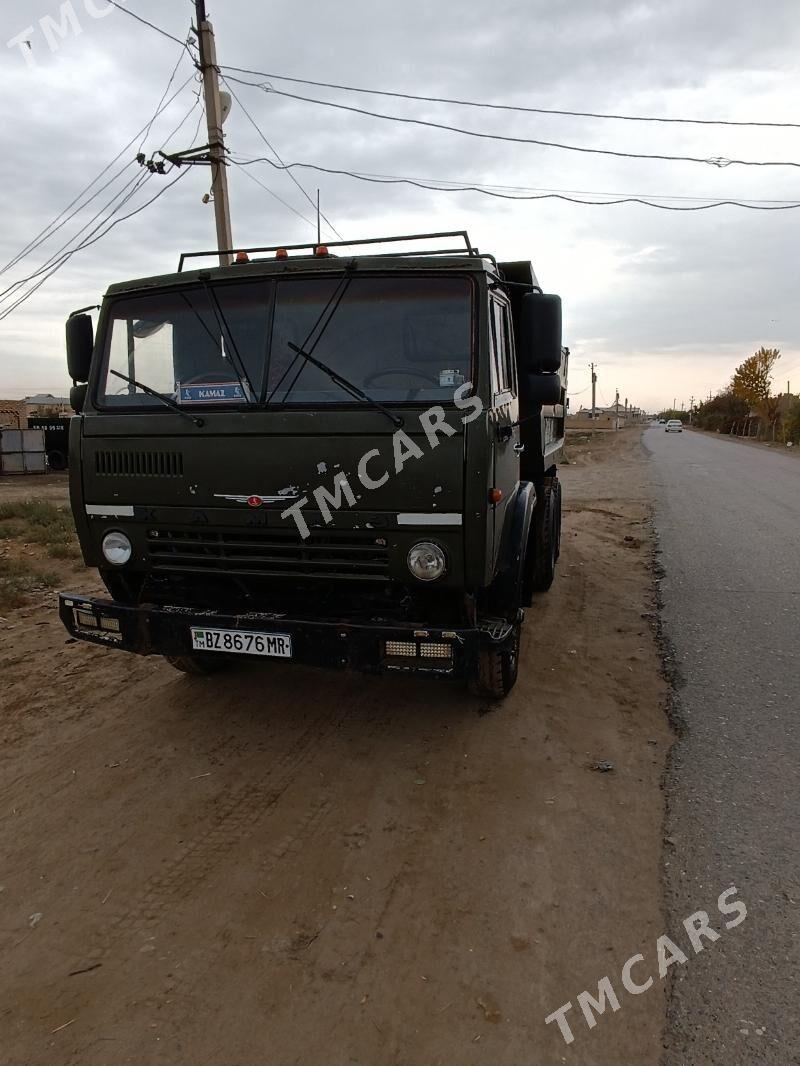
pixel 722 413
pixel 752 381
pixel 793 425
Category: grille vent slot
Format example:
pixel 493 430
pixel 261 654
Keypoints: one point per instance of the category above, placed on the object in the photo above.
pixel 266 552
pixel 138 464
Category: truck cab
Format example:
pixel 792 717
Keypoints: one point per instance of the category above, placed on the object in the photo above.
pixel 338 459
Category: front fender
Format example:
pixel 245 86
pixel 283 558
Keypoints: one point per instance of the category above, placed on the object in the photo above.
pixel 506 596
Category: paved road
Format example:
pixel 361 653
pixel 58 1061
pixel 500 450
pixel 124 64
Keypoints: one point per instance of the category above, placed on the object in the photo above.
pixel 728 518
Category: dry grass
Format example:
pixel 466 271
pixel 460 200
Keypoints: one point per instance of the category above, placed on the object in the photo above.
pixel 18 580
pixel 42 523
pixel 33 522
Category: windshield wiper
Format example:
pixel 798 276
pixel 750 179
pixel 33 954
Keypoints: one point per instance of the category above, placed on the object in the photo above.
pixel 348 386
pixel 199 422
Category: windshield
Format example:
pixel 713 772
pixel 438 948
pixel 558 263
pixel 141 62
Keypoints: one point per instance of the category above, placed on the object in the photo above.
pixel 397 339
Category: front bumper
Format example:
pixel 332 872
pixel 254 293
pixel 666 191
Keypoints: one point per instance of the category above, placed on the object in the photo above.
pixel 162 630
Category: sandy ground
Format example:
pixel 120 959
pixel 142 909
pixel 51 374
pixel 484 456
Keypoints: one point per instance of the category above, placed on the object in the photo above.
pixel 285 866
pixel 51 487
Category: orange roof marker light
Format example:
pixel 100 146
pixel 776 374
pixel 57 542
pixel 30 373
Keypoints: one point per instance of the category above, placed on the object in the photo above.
pixel 281 254
pixel 321 250
pixel 242 257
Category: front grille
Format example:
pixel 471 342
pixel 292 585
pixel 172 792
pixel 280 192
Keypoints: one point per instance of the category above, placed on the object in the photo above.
pixel 268 553
pixel 138 464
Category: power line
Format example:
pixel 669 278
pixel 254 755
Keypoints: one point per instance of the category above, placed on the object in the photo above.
pixel 717 161
pixel 115 204
pixel 277 156
pixel 122 196
pixel 429 185
pixel 99 237
pixel 161 101
pixel 275 195
pixel 527 188
pixel 152 26
pixel 135 181
pixel 59 221
pixel 512 107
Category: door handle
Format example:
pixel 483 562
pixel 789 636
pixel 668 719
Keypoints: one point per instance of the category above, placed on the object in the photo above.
pixel 519 448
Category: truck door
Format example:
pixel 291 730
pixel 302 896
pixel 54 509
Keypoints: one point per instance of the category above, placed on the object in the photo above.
pixel 504 414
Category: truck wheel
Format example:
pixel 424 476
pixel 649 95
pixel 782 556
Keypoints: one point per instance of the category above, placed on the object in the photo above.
pixel 498 665
pixel 545 542
pixel 197 665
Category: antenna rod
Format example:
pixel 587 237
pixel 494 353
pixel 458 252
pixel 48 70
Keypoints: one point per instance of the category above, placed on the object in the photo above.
pixel 319 226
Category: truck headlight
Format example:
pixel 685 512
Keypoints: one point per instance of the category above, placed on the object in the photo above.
pixel 117 548
pixel 427 561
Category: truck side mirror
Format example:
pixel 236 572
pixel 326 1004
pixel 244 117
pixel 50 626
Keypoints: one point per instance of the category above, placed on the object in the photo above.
pixel 80 343
pixel 77 398
pixel 540 333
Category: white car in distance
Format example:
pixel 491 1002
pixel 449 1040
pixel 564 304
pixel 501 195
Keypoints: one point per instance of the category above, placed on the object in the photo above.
pixel 674 426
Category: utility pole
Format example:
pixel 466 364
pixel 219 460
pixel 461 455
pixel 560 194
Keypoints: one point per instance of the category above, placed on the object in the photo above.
pixel 216 138
pixel 594 391
pixel 616 424
pixel 691 410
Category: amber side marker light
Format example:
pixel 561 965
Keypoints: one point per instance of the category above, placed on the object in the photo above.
pixel 495 495
pixel 242 257
pixel 321 250
pixel 281 254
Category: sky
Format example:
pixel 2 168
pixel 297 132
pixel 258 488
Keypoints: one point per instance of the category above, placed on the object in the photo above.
pixel 665 303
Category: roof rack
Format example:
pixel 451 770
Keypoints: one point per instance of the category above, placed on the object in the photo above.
pixel 468 247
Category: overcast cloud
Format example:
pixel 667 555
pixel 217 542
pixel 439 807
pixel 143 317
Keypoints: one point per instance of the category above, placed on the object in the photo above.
pixel 665 303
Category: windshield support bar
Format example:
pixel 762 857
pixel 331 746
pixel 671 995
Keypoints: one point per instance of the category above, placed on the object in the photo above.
pixel 321 324
pixel 222 322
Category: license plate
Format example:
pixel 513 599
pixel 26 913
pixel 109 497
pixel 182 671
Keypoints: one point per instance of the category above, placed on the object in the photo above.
pixel 241 642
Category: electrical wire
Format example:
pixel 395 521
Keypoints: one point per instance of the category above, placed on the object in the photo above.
pixel 512 107
pixel 469 103
pixel 429 185
pixel 115 204
pixel 185 119
pixel 146 133
pixel 127 198
pixel 280 160
pixel 152 26
pixel 568 192
pixel 715 161
pixel 275 196
pixel 97 238
pixel 261 134
pixel 122 195
pixel 60 221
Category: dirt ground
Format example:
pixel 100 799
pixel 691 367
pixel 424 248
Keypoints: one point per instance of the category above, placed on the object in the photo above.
pixel 279 865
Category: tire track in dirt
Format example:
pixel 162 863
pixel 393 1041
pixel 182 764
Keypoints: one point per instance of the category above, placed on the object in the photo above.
pixel 230 819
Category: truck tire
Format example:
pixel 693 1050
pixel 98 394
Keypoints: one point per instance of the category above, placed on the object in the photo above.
pixel 197 665
pixel 545 536
pixel 498 666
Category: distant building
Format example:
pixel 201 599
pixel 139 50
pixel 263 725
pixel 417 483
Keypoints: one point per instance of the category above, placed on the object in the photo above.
pixel 14 414
pixel 44 403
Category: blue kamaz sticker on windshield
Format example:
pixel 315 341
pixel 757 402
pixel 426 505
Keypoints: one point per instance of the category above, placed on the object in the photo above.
pixel 212 392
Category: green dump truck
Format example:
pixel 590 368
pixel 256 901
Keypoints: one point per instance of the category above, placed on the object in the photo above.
pixel 340 455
